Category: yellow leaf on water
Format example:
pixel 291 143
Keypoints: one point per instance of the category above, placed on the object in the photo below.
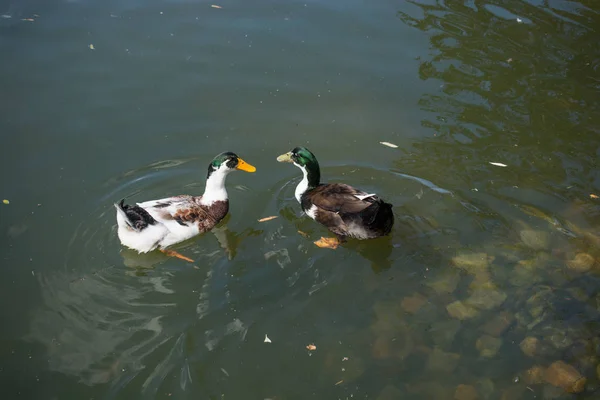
pixel 6 201
pixel 303 234
pixel 311 347
pixel 593 196
pixel 267 218
pixel 91 46
pixel 215 6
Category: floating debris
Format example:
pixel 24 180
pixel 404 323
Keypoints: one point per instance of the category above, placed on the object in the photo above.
pixel 303 234
pixel 337 383
pixel 497 164
pixel 267 218
pixel 5 201
pixel 215 6
pixel 267 340
pixel 311 347
pixel 593 196
pixel 91 46
pixel 28 19
pixel 345 359
pixel 388 144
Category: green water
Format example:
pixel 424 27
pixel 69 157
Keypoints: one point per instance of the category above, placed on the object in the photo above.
pixel 481 256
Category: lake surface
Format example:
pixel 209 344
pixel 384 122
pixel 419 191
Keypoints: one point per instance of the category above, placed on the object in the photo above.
pixel 488 287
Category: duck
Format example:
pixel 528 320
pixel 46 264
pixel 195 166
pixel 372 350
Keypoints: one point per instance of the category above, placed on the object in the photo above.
pixel 344 210
pixel 158 224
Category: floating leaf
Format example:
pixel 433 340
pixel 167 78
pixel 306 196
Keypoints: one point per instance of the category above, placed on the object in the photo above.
pixel 267 218
pixel 91 46
pixel 215 6
pixel 267 340
pixel 388 144
pixel 6 201
pixel 303 234
pixel 311 347
pixel 593 196
pixel 497 164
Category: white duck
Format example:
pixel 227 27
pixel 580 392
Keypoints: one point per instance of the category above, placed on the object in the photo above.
pixel 158 224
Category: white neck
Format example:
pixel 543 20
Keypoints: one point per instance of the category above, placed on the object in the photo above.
pixel 303 185
pixel 215 187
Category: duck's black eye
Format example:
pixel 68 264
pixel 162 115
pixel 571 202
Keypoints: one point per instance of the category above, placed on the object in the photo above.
pixel 232 162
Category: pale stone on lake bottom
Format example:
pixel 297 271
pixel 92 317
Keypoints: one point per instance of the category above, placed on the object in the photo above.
pixel 486 299
pixel 535 375
pixel 563 375
pixel 536 240
pixel 461 311
pixel 465 392
pixel 529 346
pixel 488 346
pixel 446 282
pixel 413 303
pixel 471 262
pixel 582 262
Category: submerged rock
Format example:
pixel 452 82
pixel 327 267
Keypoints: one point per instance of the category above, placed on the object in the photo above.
pixel 472 262
pixel 485 387
pixel 465 392
pixel 486 299
pixel 529 346
pixel 535 375
pixel 413 303
pixel 535 239
pixel 461 311
pixel 440 361
pixel 582 262
pixel 488 346
pixel 443 332
pixel 565 376
pixel 497 325
pixel 445 282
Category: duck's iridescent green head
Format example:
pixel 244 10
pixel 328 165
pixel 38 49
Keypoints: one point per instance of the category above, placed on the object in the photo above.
pixel 306 161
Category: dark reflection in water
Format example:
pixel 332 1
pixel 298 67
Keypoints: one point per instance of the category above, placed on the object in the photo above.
pixel 519 86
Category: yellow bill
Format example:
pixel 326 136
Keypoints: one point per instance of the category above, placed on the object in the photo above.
pixel 287 157
pixel 244 166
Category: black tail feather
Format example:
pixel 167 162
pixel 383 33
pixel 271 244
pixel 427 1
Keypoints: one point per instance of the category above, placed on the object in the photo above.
pixel 379 217
pixel 137 217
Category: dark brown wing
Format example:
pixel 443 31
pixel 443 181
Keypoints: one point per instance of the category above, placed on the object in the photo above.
pixel 339 198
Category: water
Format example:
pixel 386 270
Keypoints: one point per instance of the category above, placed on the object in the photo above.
pixel 481 257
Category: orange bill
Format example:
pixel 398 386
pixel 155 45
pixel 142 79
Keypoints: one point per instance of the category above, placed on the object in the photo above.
pixel 244 166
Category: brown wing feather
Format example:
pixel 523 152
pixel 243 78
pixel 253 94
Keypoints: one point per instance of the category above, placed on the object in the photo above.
pixel 339 198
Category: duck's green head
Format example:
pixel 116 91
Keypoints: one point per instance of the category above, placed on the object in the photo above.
pixel 227 162
pixel 306 161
